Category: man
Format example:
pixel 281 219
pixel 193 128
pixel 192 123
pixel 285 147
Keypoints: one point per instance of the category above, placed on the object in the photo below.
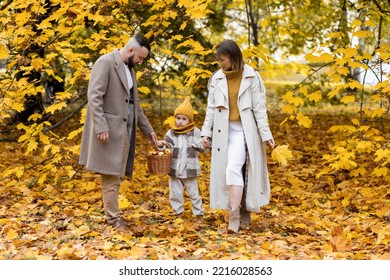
pixel 113 113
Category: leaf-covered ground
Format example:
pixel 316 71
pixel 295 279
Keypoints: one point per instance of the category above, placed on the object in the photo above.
pixel 332 217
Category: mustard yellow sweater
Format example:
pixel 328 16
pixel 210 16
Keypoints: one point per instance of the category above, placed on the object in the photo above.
pixel 234 82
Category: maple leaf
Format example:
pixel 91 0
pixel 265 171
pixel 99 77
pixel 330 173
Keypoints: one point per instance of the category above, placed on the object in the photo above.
pixel 348 99
pixel 282 154
pixel 380 172
pixel 3 52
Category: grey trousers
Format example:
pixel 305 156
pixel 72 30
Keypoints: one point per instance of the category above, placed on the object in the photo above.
pixel 176 195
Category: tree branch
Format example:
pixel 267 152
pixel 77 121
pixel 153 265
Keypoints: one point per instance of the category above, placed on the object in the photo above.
pixel 66 118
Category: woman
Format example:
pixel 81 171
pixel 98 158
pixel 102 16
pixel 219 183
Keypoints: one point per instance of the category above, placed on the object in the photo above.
pixel 236 127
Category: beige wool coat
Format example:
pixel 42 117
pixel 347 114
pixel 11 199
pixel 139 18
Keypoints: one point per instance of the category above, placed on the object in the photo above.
pixel 253 114
pixel 107 109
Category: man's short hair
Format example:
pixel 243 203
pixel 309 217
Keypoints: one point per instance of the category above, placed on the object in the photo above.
pixel 142 41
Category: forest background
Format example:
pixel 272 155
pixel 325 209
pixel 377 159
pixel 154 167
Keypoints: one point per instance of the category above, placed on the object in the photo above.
pixel 326 68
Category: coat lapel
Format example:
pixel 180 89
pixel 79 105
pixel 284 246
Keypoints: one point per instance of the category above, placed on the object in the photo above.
pixel 119 67
pixel 222 83
pixel 246 81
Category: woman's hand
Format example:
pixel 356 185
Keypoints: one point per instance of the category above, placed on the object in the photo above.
pixel 206 142
pixel 271 142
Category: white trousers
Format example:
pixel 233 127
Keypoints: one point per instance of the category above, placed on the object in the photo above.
pixel 236 154
pixel 176 195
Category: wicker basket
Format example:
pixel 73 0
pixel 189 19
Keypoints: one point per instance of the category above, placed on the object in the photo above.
pixel 159 164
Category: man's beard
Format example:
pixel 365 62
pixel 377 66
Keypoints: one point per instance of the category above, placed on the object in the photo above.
pixel 130 61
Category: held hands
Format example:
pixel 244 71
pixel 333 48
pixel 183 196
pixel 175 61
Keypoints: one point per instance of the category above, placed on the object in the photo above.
pixel 206 142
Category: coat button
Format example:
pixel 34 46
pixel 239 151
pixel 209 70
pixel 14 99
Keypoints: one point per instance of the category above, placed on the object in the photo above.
pixel 218 149
pixel 125 120
pixel 219 130
pixel 127 100
pixel 219 110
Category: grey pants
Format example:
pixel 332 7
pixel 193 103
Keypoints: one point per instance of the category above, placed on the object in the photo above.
pixel 176 195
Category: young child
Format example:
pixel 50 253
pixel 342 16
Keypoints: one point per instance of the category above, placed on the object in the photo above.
pixel 185 141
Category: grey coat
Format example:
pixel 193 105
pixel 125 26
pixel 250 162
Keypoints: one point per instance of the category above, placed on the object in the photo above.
pixel 107 110
pixel 185 149
pixel 253 114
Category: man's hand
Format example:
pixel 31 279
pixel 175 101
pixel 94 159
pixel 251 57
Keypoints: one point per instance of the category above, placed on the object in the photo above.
pixel 103 136
pixel 152 139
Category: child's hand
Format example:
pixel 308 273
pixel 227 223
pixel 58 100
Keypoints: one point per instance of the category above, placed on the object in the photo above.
pixel 162 143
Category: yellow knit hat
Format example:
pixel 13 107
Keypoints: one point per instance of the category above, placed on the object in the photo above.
pixel 185 109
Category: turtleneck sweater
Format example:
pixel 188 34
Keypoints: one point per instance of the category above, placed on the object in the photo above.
pixel 234 81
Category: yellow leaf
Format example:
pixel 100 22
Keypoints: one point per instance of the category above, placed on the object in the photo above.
pixel 282 154
pixel 381 154
pixel 74 133
pixel 3 52
pixel 380 172
pixel 356 122
pixel 43 138
pixel 183 25
pixel 304 120
pixel 123 202
pixel 357 172
pixel 55 107
pixel 31 146
pixel 362 33
pixel 335 35
pixel 315 96
pixel 144 90
pixel 288 109
pixel 266 245
pixel 325 57
pixel 170 121
pixel 345 202
pixel 291 99
pixel 295 181
pixel 377 113
pixel 37 64
pixel 342 70
pixel 355 84
pixel 324 171
pixel 356 23
pixel 82 230
pixel 12 234
pixel 349 52
pixel 19 107
pixel 348 99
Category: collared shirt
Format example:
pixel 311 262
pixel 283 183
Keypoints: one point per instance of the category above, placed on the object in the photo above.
pixel 128 75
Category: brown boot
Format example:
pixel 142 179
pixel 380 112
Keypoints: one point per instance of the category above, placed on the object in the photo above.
pixel 234 221
pixel 120 225
pixel 245 218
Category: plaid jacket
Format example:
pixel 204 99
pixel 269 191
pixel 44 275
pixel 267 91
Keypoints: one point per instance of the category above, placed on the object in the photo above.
pixel 185 147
